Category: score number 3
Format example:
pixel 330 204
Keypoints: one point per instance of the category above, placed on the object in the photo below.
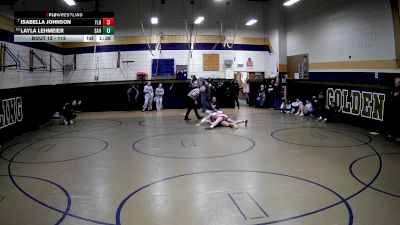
pixel 108 21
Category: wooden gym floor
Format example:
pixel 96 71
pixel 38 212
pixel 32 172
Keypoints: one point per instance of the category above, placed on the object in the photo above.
pixel 147 168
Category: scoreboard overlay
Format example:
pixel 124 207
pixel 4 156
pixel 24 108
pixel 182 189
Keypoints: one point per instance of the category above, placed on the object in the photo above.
pixel 63 26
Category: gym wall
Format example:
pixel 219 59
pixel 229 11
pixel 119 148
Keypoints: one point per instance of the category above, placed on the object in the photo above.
pixel 107 57
pixel 350 46
pixel 350 36
pixel 250 42
pixel 19 77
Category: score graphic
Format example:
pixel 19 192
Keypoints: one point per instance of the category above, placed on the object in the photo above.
pixel 63 27
pixel 108 26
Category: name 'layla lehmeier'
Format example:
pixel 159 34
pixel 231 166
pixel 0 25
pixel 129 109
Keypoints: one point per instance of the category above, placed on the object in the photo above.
pixel 10 111
pixel 42 30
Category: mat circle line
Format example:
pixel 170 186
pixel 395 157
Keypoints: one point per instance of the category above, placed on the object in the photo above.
pixel 279 116
pixel 56 161
pixel 88 129
pixel 273 135
pixel 142 123
pixel 366 186
pixel 36 200
pixel 362 189
pixel 342 199
pixel 67 195
pixel 363 183
pixel 206 157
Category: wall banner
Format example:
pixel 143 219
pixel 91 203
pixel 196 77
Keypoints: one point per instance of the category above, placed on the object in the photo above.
pixel 365 104
pixel 10 111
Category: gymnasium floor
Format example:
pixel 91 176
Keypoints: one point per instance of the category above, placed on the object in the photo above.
pixel 155 168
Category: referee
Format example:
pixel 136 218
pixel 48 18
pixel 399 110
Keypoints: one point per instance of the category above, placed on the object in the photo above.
pixel 192 103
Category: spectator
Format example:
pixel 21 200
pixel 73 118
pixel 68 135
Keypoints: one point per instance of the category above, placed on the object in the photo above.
pixel 159 97
pixel 331 113
pixel 307 109
pixel 296 105
pixel 69 114
pixel 277 93
pixel 261 97
pixel 228 100
pixel 133 94
pixel 392 118
pixel 148 97
pixel 193 82
pixel 221 92
pixel 211 88
pixel 286 107
pixel 213 104
pixel 270 93
pixel 204 96
pixel 235 93
pixel 246 90
pixel 321 99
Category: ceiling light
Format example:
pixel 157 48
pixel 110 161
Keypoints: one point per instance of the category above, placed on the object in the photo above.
pixel 154 20
pixel 70 2
pixel 251 22
pixel 290 2
pixel 199 20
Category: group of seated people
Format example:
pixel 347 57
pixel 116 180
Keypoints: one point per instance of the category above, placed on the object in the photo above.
pixel 314 107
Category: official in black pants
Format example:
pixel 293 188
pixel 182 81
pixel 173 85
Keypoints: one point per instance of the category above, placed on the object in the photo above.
pixel 235 90
pixel 192 102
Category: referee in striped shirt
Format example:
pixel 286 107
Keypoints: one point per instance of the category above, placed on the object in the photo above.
pixel 192 103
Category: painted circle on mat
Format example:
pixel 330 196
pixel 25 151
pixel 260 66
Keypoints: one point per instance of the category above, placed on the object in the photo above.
pixel 84 125
pixel 161 122
pixel 264 122
pixel 193 145
pixel 320 137
pixel 364 165
pixel 263 119
pixel 40 187
pixel 54 149
pixel 202 196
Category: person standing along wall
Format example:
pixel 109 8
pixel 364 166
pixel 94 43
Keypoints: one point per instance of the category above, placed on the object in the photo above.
pixel 235 92
pixel 246 90
pixel 133 93
pixel 392 113
pixel 271 94
pixel 277 94
pixel 211 88
pixel 261 97
pixel 148 97
pixel 204 97
pixel 159 94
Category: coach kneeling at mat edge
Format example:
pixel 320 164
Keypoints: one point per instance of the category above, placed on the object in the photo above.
pixel 191 101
